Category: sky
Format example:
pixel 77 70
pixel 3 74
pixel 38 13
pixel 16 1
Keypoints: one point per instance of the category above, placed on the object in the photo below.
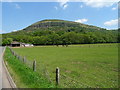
pixel 19 15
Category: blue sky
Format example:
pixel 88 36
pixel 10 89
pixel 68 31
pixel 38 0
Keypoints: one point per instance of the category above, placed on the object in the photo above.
pixel 18 15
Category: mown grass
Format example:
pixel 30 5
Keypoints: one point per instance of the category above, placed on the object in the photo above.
pixel 81 66
pixel 23 76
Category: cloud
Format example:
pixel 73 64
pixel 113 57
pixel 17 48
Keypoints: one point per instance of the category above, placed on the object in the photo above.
pixel 98 3
pixel 63 3
pixel 114 8
pixel 81 6
pixel 17 6
pixel 81 20
pixel 56 8
pixel 91 3
pixel 14 30
pixel 65 6
pixel 111 22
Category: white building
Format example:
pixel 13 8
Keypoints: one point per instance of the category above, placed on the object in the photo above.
pixel 27 45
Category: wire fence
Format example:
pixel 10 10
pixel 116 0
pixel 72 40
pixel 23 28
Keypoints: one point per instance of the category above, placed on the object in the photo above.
pixel 41 68
pixel 64 80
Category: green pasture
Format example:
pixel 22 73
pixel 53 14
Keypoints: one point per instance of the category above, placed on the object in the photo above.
pixel 81 66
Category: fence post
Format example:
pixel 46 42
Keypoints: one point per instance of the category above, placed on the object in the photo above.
pixel 15 54
pixel 57 75
pixel 18 57
pixel 34 65
pixel 12 51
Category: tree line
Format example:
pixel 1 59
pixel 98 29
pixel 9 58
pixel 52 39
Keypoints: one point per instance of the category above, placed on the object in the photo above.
pixel 51 37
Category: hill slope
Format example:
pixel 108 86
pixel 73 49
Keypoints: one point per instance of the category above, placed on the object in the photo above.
pixel 63 32
pixel 60 24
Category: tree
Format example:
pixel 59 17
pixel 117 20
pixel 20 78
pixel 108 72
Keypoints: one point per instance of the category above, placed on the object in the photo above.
pixel 55 39
pixel 7 41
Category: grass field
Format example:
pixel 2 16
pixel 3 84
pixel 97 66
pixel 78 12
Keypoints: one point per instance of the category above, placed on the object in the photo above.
pixel 23 76
pixel 81 66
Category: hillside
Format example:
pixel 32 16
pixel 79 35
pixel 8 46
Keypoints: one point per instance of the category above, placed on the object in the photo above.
pixel 55 32
pixel 61 24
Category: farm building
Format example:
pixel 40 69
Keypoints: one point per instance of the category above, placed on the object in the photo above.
pixel 26 45
pixel 20 44
pixel 16 44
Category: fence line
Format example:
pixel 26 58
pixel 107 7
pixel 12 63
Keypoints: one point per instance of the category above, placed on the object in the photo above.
pixel 32 65
pixel 60 78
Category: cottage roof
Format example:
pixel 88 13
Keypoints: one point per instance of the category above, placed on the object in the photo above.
pixel 15 42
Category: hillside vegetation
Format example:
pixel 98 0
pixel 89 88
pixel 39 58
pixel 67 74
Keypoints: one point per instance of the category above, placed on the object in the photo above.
pixel 61 32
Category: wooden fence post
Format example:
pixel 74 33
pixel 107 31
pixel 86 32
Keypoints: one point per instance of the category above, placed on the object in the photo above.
pixel 13 53
pixel 18 57
pixel 34 66
pixel 57 76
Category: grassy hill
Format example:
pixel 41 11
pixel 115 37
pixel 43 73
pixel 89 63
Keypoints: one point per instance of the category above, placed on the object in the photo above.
pixel 61 24
pixel 55 32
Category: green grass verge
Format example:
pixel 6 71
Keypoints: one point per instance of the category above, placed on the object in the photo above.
pixel 23 76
